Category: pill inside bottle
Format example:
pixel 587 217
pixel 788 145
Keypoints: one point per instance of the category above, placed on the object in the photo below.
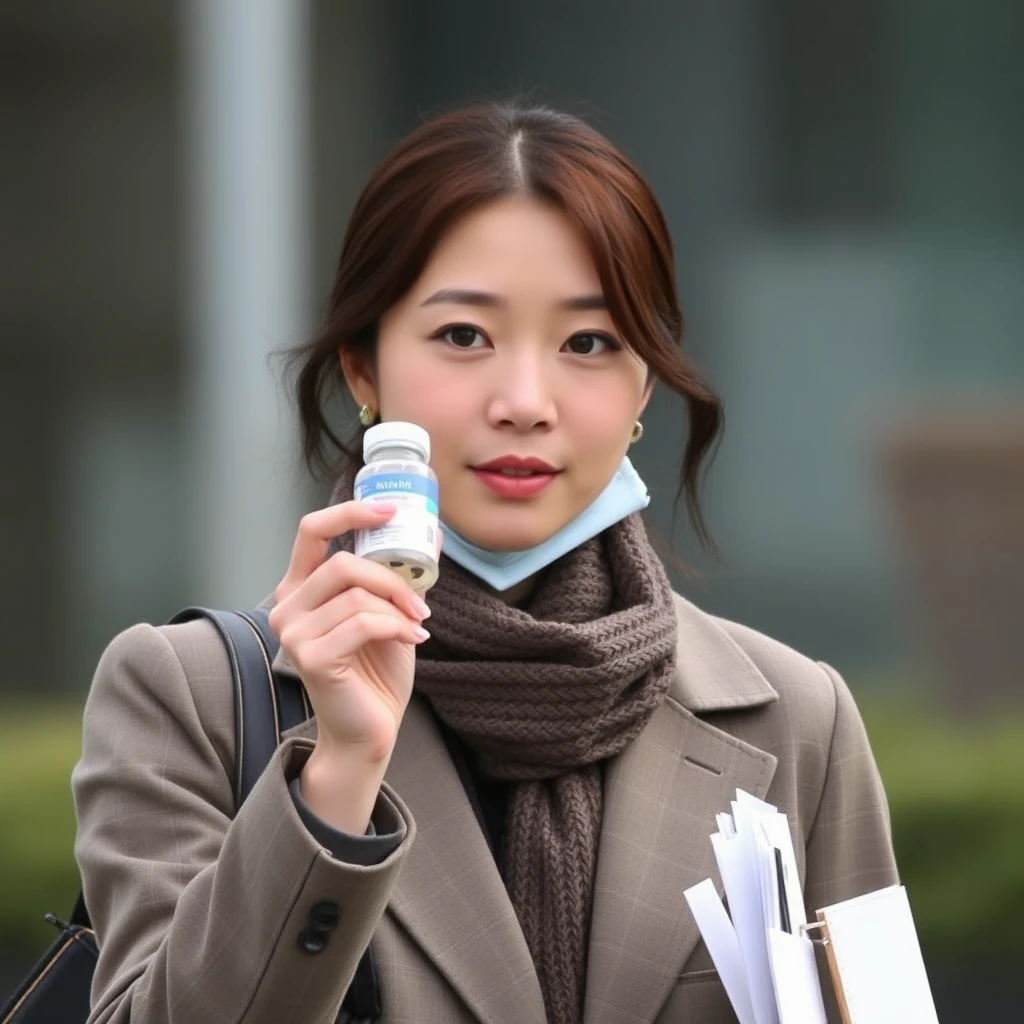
pixel 397 472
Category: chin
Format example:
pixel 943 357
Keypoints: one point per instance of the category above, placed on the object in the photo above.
pixel 505 541
pixel 508 536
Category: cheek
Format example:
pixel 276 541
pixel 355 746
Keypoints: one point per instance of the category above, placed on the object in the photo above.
pixel 413 381
pixel 424 390
pixel 605 414
pixel 601 424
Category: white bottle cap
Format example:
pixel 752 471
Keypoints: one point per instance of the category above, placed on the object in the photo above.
pixel 396 434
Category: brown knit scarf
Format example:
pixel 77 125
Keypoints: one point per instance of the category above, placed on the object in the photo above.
pixel 543 694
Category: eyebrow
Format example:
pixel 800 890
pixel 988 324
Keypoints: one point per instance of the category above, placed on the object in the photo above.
pixel 469 297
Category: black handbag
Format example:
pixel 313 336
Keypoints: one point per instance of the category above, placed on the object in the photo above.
pixel 56 990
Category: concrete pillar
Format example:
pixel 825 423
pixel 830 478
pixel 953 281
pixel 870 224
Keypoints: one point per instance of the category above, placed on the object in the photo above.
pixel 247 180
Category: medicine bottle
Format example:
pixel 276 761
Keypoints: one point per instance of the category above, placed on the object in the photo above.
pixel 397 471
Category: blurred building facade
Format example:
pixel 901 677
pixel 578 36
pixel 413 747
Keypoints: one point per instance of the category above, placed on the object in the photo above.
pixel 842 183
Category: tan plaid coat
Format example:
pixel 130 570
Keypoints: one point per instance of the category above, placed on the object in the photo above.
pixel 199 914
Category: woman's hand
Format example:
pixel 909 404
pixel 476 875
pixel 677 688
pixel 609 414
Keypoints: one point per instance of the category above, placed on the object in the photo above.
pixel 350 627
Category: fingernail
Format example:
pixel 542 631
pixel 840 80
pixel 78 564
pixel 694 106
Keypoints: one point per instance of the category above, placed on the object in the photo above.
pixel 421 634
pixel 382 508
pixel 421 606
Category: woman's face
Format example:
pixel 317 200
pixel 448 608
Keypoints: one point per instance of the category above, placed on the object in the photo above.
pixel 504 351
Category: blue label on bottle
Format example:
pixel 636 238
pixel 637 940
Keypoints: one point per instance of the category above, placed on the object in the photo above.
pixel 383 484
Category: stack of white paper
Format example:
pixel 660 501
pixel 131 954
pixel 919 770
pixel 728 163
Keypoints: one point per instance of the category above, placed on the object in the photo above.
pixel 763 955
pixel 766 964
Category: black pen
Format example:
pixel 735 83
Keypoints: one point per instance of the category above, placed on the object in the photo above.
pixel 783 902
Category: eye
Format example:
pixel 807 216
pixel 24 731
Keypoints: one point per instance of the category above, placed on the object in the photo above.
pixel 461 336
pixel 590 343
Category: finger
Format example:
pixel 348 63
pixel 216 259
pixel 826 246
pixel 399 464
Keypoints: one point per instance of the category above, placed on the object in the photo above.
pixel 320 621
pixel 344 571
pixel 355 632
pixel 318 529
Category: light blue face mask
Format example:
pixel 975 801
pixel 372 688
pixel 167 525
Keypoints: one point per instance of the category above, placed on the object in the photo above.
pixel 501 570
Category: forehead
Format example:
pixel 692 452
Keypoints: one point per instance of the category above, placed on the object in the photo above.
pixel 512 242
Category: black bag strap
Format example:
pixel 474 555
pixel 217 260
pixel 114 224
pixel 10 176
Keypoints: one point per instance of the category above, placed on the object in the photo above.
pixel 293 704
pixel 258 706
pixel 79 915
pixel 267 704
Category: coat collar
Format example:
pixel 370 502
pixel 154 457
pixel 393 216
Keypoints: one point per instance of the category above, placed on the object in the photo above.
pixel 661 797
pixel 713 673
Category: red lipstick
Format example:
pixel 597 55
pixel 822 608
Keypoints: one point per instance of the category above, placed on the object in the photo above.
pixel 513 476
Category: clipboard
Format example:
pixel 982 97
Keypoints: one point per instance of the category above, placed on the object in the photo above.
pixel 763 947
pixel 874 959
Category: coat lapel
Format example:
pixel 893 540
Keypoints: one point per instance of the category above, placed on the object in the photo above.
pixel 449 894
pixel 661 798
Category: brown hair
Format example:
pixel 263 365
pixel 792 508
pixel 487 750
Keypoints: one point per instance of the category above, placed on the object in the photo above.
pixel 472 156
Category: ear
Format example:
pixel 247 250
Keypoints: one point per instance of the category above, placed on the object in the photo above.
pixel 648 391
pixel 358 374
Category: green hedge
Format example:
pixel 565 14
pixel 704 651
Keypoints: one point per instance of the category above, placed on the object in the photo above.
pixel 956 797
pixel 38 748
pixel 956 792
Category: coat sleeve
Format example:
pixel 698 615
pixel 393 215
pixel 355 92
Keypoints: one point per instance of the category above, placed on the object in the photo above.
pixel 202 914
pixel 849 848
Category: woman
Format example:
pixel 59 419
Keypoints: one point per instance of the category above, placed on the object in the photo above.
pixel 509 806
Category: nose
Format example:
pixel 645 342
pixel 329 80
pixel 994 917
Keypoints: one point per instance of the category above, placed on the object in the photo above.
pixel 522 395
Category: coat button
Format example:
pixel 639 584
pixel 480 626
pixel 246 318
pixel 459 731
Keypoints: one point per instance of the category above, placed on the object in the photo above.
pixel 325 914
pixel 312 941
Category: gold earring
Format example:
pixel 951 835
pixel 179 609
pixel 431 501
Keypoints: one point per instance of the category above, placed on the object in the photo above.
pixel 366 416
pixel 638 432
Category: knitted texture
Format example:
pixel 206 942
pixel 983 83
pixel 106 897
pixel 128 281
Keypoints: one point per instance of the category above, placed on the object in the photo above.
pixel 543 694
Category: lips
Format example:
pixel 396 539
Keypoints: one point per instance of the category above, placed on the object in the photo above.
pixel 516 465
pixel 514 476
